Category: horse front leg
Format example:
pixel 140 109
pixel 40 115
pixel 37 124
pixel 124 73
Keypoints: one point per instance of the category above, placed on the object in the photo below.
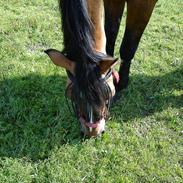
pixel 113 13
pixel 138 15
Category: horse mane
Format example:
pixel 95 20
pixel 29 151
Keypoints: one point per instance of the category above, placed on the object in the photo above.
pixel 79 46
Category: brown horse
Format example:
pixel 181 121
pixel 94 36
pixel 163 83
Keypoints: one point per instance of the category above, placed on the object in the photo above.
pixel 90 28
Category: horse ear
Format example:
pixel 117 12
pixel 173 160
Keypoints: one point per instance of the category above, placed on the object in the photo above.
pixel 107 63
pixel 60 60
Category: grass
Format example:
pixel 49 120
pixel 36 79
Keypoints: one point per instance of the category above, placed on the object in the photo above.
pixel 39 138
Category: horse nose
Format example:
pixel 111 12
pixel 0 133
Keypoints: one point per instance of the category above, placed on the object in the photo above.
pixel 92 129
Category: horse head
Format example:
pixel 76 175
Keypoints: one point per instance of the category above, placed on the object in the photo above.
pixel 90 99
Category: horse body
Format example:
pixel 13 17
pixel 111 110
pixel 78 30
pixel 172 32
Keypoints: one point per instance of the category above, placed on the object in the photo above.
pixel 138 15
pixel 90 29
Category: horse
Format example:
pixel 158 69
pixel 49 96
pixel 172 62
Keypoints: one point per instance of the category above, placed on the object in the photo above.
pixel 90 29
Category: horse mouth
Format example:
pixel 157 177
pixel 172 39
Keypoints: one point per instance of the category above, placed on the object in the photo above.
pixel 93 129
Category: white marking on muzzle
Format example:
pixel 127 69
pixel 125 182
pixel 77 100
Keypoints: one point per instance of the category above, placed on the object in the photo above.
pixel 91 118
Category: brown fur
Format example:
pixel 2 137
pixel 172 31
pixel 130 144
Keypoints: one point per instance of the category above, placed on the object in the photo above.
pixel 138 15
pixel 96 12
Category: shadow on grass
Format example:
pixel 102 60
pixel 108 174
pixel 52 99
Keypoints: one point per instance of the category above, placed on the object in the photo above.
pixel 147 95
pixel 34 117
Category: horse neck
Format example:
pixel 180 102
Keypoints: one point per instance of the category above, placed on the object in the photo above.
pixel 96 12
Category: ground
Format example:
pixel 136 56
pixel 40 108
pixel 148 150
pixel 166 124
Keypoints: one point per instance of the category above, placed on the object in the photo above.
pixel 40 139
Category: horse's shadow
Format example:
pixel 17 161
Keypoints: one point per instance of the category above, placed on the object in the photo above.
pixel 147 95
pixel 34 117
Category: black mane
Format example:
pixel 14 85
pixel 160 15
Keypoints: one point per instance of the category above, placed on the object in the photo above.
pixel 78 46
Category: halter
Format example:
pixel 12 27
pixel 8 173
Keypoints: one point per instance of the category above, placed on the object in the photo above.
pixel 90 124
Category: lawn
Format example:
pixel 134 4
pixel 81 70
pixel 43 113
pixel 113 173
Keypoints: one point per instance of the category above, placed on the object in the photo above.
pixel 40 139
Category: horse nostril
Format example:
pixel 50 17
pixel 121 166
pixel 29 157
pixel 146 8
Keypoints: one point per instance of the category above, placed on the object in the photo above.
pixel 103 132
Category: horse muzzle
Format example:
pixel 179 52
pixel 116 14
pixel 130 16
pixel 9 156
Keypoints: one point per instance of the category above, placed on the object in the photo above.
pixel 92 129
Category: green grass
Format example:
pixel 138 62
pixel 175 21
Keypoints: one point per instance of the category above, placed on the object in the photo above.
pixel 40 139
